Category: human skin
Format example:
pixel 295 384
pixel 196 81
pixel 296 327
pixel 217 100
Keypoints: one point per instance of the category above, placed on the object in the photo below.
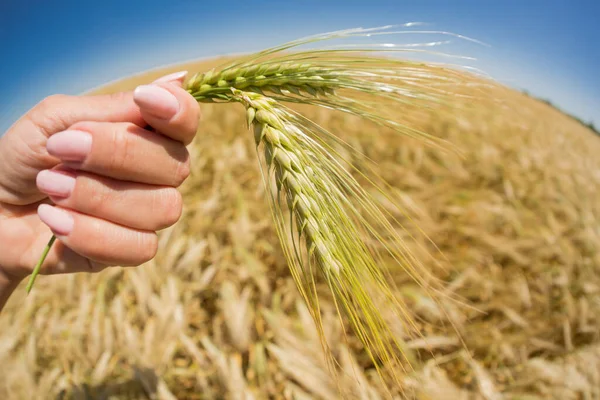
pixel 99 172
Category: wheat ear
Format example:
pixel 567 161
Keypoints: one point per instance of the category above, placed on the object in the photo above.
pixel 317 191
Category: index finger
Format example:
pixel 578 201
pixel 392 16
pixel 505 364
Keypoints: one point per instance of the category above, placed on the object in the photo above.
pixel 57 113
pixel 168 108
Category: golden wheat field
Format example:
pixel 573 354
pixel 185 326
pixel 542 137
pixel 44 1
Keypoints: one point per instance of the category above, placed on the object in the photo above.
pixel 216 314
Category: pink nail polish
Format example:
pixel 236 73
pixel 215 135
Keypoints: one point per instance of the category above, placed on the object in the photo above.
pixel 157 101
pixel 59 221
pixel 70 145
pixel 55 183
pixel 175 76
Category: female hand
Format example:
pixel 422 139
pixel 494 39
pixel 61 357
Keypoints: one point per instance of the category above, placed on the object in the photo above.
pixel 100 172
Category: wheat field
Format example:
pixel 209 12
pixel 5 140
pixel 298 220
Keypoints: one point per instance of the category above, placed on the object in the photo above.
pixel 216 314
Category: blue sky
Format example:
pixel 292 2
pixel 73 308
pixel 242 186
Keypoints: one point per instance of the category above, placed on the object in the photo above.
pixel 551 48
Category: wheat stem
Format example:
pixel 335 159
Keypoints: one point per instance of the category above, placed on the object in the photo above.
pixel 38 266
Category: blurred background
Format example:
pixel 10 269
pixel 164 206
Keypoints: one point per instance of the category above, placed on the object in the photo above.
pixel 549 48
pixel 217 314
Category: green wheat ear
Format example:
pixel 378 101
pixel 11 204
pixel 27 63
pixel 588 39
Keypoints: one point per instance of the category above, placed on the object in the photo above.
pixel 330 227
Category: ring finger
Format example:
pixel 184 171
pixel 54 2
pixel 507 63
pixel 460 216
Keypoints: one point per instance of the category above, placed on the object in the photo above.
pixel 134 205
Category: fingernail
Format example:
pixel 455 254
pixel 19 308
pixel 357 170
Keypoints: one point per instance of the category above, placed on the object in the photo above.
pixel 70 145
pixel 175 76
pixel 157 101
pixel 59 221
pixel 55 183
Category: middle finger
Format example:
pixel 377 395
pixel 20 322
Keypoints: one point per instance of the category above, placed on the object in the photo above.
pixel 121 151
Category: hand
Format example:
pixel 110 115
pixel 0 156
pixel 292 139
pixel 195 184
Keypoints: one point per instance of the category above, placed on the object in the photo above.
pixel 100 172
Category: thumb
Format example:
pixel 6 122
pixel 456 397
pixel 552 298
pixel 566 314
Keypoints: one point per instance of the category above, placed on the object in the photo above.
pixel 23 147
pixel 175 78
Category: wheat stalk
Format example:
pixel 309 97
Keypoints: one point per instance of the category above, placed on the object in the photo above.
pixel 325 219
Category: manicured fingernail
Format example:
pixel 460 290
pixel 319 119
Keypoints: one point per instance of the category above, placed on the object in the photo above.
pixel 175 76
pixel 70 145
pixel 157 101
pixel 59 221
pixel 55 183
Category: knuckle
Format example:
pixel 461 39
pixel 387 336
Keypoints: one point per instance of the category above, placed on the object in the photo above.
pixel 189 123
pixel 93 201
pixel 168 205
pixel 148 247
pixel 183 168
pixel 48 114
pixel 119 97
pixel 192 115
pixel 121 146
pixel 52 102
pixel 96 267
pixel 87 126
pixel 92 240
